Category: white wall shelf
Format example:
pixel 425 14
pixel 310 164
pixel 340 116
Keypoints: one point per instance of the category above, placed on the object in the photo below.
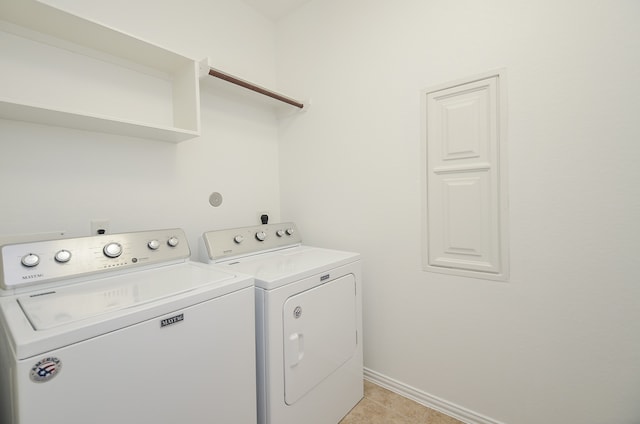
pixel 60 69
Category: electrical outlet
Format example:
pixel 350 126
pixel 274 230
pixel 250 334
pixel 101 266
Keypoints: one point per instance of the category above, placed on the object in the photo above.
pixel 260 214
pixel 99 226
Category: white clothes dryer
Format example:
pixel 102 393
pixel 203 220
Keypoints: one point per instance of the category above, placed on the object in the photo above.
pixel 308 321
pixel 123 328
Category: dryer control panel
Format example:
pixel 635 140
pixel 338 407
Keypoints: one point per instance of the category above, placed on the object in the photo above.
pixel 222 244
pixel 33 263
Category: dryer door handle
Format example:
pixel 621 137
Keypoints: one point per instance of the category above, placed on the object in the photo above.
pixel 295 349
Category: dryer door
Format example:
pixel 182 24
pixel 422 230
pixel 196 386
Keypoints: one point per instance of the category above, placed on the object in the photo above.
pixel 319 334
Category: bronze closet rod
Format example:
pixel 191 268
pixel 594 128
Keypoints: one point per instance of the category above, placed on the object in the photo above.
pixel 253 87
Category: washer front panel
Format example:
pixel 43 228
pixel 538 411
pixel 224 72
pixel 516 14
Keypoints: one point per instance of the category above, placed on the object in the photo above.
pixel 69 304
pixel 108 304
pixel 200 369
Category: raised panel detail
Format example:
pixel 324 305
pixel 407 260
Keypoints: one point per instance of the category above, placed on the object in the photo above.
pixel 465 231
pixel 465 224
pixel 463 210
pixel 464 125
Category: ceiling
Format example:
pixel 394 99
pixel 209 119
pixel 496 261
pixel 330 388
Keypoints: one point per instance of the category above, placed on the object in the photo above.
pixel 275 9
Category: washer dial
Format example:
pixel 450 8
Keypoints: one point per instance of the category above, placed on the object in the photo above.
pixel 112 250
pixel 153 244
pixel 261 236
pixel 62 256
pixel 30 259
pixel 173 241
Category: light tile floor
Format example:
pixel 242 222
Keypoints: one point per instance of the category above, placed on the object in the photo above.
pixel 381 406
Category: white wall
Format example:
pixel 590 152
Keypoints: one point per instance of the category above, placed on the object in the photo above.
pixel 559 342
pixel 60 179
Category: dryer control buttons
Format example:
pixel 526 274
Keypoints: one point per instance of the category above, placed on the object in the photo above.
pixel 153 244
pixel 30 260
pixel 280 233
pixel 62 256
pixel 238 239
pixel 112 250
pixel 289 231
pixel 261 236
pixel 173 241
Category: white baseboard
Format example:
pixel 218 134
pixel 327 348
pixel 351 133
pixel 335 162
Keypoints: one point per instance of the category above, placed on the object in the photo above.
pixel 430 401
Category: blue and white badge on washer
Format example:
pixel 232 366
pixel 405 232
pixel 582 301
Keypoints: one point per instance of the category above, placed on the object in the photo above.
pixel 45 369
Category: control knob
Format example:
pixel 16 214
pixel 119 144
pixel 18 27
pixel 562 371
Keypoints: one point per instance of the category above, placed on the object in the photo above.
pixel 173 241
pixel 261 236
pixel 238 239
pixel 153 244
pixel 280 233
pixel 112 250
pixel 30 260
pixel 62 256
pixel 290 231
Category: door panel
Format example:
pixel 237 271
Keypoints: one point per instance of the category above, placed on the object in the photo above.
pixel 319 334
pixel 465 176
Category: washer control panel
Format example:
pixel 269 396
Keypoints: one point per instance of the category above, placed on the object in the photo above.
pixel 222 244
pixel 27 264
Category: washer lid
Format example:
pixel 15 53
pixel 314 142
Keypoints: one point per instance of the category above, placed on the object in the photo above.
pixel 49 309
pixel 280 267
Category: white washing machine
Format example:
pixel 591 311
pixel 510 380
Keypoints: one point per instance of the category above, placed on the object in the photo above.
pixel 308 321
pixel 123 328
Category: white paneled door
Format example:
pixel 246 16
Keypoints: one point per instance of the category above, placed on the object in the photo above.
pixel 465 176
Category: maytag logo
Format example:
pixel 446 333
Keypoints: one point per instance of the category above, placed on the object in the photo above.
pixel 32 276
pixel 171 320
